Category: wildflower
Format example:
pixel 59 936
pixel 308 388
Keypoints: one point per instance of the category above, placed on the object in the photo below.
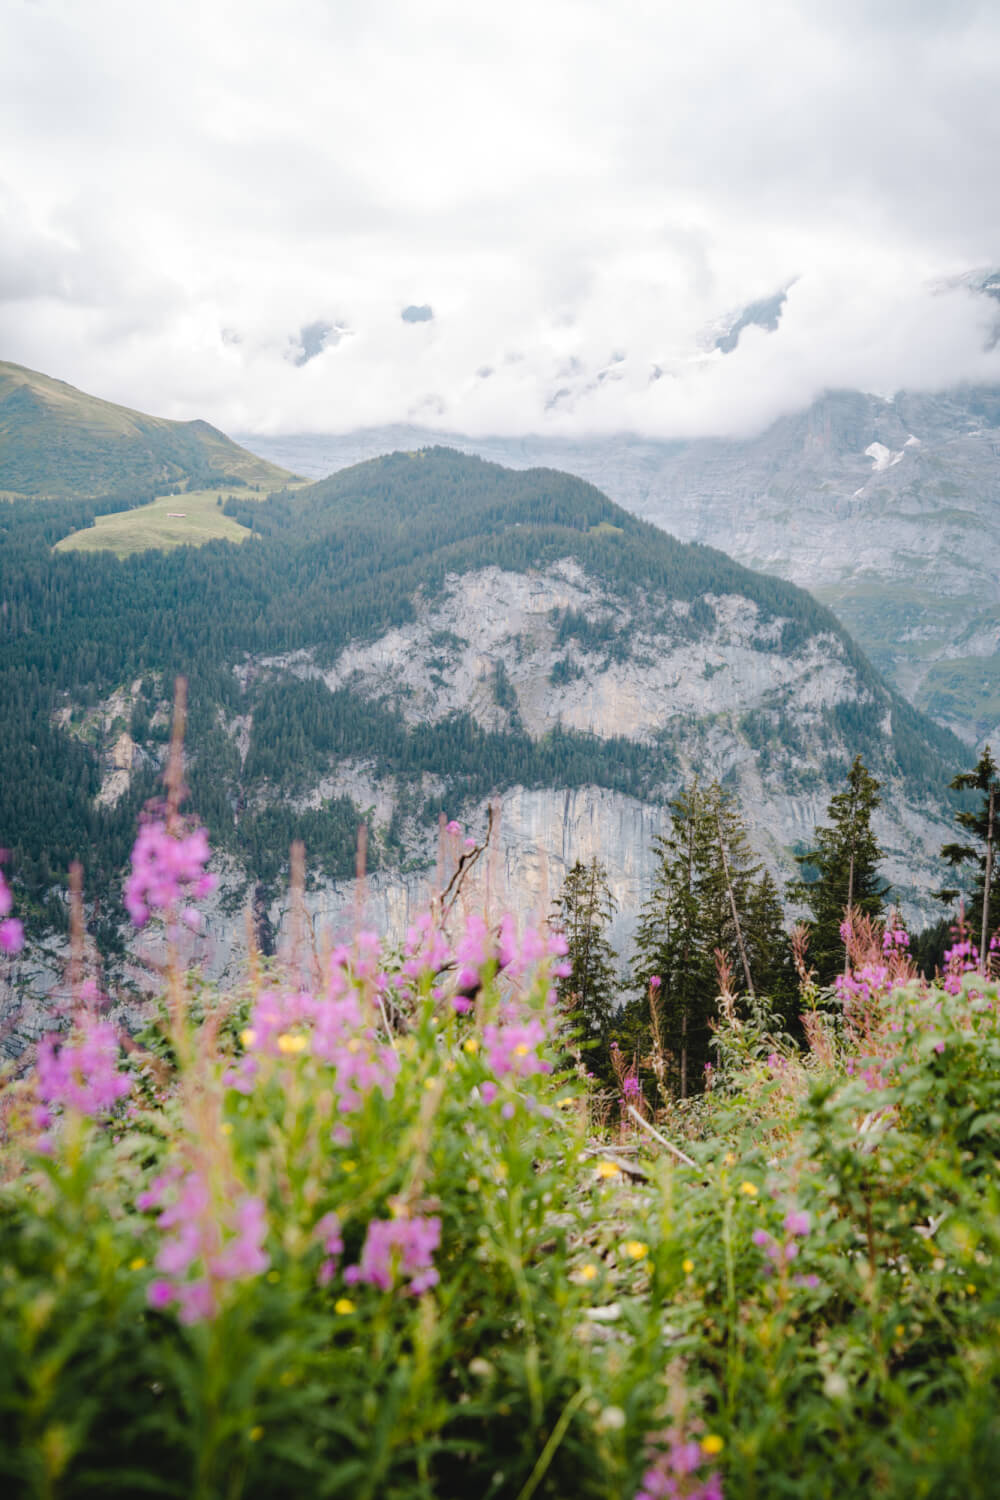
pixel 797 1222
pixel 687 1266
pixel 399 1247
pixel 290 1045
pixel 137 1264
pixel 256 1433
pixel 674 1469
pixel 635 1249
pixel 82 1073
pixel 748 1189
pixel 11 934
pixel 587 1273
pixel 343 1306
pixel 222 1246
pixel 607 1169
pixel 611 1419
pixel 168 866
pixel 470 1045
pixel 512 1048
pixel 11 930
pixel 655 981
pixel 453 827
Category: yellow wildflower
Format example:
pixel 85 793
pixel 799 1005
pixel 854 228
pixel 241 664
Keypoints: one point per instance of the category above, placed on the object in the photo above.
pixel 587 1273
pixel 290 1044
pixel 635 1249
pixel 256 1433
pixel 248 1037
pixel 749 1189
pixel 711 1445
pixel 470 1045
pixel 137 1264
pixel 607 1169
pixel 343 1306
pixel 687 1266
pixel 349 1166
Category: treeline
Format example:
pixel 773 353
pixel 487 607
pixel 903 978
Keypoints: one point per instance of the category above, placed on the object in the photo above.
pixel 713 934
pixel 342 560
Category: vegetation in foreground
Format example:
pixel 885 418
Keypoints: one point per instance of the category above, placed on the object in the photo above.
pixel 352 1228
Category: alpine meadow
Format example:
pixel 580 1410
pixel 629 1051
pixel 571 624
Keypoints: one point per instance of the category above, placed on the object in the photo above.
pixel 499 885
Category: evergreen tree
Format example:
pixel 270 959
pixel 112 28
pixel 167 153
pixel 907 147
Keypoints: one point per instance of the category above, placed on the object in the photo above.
pixel 846 855
pixel 582 912
pixel 981 824
pixel 709 895
pixel 768 949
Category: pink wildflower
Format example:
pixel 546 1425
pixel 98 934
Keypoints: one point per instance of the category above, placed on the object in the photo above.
pixel 394 1248
pixel 11 930
pixel 167 868
pixel 82 1073
pixel 221 1243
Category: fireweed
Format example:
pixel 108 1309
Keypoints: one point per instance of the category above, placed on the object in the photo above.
pixel 347 1237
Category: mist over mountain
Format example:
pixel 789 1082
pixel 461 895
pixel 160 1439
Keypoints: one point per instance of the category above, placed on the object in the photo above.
pixel 422 634
pixel 887 509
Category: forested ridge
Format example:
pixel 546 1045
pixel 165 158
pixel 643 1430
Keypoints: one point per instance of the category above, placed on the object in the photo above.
pixel 335 562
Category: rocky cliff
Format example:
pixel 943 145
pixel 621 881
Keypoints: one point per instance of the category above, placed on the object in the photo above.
pixel 886 509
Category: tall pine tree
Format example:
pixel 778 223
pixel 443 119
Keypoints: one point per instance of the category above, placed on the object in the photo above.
pixel 846 856
pixel 981 824
pixel 709 895
pixel 583 911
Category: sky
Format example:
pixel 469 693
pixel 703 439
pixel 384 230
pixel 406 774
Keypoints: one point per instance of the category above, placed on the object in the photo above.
pixel 223 208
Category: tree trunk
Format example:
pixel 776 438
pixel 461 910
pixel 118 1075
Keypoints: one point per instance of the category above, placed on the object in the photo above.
pixel 684 1052
pixel 847 915
pixel 732 904
pixel 987 882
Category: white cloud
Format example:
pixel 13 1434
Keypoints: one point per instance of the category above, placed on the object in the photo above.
pixel 185 189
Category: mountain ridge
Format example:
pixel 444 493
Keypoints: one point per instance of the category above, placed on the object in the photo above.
pixel 57 441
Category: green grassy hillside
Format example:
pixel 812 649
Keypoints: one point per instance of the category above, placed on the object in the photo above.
pixel 184 520
pixel 58 441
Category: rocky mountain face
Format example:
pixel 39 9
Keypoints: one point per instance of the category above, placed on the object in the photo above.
pixel 887 510
pixel 428 637
pixel 728 703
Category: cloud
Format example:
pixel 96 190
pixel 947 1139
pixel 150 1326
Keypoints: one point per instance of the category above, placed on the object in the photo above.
pixel 197 205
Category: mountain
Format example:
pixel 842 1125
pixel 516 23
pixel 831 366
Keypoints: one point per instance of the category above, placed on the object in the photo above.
pixel 57 441
pixel 421 635
pixel 887 510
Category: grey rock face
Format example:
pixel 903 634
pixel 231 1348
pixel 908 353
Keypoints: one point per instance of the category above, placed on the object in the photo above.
pixel 887 510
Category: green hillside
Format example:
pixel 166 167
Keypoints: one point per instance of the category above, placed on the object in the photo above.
pixel 185 520
pixel 342 562
pixel 56 441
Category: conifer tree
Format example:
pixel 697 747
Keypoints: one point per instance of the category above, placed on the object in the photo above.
pixel 981 824
pixel 583 911
pixel 709 895
pixel 846 855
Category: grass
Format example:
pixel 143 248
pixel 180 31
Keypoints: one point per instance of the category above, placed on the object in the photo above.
pixel 169 521
pixel 57 441
pixel 963 687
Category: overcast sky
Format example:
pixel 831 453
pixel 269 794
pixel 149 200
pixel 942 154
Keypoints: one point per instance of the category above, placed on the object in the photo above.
pixel 221 208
